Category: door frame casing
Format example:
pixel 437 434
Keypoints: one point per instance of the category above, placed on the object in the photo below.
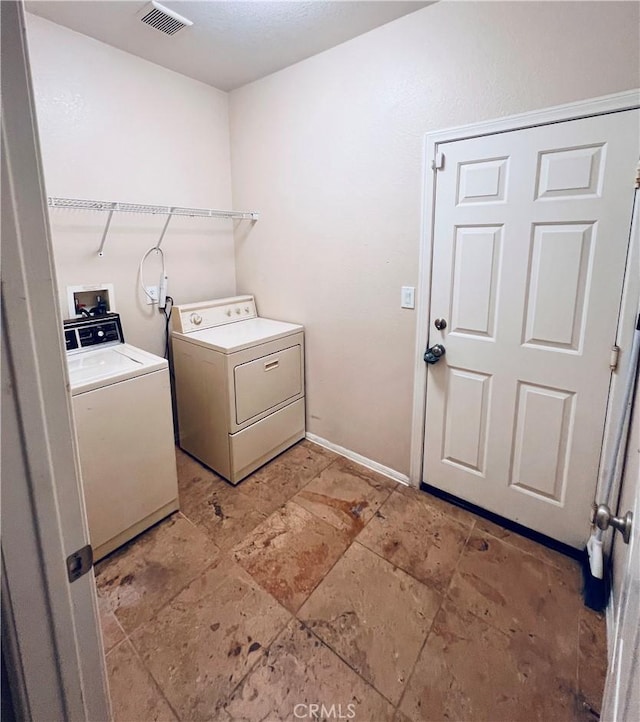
pixel 52 645
pixel 604 105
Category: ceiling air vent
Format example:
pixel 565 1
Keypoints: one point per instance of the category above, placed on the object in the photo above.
pixel 162 19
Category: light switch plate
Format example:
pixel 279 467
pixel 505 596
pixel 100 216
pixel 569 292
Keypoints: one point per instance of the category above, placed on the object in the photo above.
pixel 408 297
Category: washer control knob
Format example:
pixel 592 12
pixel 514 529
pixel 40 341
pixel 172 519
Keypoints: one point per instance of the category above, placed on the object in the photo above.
pixel 196 319
pixel 100 334
pixel 238 310
pixel 228 312
pixel 246 309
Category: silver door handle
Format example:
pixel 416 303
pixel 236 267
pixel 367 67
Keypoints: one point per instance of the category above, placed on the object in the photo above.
pixel 604 519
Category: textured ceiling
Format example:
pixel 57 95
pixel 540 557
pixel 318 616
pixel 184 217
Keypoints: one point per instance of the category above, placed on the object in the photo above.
pixel 230 43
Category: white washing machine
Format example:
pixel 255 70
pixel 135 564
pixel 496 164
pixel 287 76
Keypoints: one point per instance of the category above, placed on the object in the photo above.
pixel 122 410
pixel 239 384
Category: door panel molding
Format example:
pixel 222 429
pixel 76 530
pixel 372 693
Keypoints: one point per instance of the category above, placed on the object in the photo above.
pixel 571 172
pixel 559 253
pixel 543 416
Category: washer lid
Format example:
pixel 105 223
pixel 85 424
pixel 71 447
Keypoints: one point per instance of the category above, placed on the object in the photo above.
pixel 105 366
pixel 237 336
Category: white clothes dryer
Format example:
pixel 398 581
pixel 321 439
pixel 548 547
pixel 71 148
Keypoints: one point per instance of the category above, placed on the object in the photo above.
pixel 239 384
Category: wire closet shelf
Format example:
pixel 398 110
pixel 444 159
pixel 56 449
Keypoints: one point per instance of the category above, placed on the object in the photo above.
pixel 112 207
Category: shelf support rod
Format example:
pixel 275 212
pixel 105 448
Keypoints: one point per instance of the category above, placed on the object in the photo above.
pixel 106 230
pixel 164 228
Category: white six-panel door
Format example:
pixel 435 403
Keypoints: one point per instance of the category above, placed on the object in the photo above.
pixel 531 229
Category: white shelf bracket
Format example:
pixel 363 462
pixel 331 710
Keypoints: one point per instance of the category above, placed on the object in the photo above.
pixel 164 228
pixel 106 230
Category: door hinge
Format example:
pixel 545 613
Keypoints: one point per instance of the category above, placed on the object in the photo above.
pixel 79 563
pixel 613 361
pixel 438 162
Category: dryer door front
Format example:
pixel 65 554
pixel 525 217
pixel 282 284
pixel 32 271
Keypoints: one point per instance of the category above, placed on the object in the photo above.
pixel 266 382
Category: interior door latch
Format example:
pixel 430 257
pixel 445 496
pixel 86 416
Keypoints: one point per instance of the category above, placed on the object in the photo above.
pixel 434 354
pixel 79 563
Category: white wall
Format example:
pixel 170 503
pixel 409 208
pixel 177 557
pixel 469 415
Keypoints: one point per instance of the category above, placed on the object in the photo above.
pixel 116 127
pixel 330 152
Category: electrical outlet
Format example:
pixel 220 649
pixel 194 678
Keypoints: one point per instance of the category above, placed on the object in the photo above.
pixel 151 295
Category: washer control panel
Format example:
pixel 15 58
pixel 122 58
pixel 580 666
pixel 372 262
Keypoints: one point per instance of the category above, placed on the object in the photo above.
pixel 83 334
pixel 207 314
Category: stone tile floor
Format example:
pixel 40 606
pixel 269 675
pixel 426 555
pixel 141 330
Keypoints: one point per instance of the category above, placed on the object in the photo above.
pixel 319 582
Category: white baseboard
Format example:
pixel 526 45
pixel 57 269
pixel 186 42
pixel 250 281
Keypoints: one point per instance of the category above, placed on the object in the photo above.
pixel 369 463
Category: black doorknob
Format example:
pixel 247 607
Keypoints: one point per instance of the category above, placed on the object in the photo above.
pixel 434 354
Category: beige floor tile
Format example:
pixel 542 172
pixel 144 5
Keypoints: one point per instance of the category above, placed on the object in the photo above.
pixel 200 646
pixel 189 467
pixel 275 483
pixel 222 510
pixel 511 642
pixel 471 671
pixel 145 574
pixel 592 658
pixel 345 495
pixel 464 517
pixel 290 552
pixel 323 451
pixel 417 537
pixel 112 632
pixel 194 478
pixel 561 561
pixel 134 696
pixel 567 564
pixel 374 616
pixel 400 717
pixel 298 672
pixel 514 591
